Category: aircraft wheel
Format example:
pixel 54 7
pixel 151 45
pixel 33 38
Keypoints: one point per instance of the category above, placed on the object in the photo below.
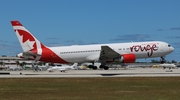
pixel 91 66
pixel 106 68
pixel 94 67
pixel 101 66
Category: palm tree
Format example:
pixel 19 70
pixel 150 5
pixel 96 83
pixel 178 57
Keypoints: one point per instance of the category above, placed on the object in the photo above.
pixel 173 61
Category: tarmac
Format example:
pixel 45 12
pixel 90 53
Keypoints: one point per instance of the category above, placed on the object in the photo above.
pixel 130 72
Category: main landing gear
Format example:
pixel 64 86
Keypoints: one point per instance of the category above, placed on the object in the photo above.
pixel 104 66
pixel 93 67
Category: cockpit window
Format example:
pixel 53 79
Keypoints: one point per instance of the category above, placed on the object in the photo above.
pixel 169 45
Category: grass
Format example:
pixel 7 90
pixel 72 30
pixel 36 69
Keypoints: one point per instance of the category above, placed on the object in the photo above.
pixel 135 88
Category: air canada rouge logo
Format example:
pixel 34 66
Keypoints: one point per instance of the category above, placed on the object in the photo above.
pixel 27 37
pixel 149 48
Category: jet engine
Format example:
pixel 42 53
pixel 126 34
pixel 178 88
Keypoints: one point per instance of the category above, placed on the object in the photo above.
pixel 126 58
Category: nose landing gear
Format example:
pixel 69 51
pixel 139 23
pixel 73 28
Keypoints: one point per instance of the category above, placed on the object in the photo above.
pixel 162 60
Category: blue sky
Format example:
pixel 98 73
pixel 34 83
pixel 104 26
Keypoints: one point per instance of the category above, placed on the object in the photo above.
pixel 71 22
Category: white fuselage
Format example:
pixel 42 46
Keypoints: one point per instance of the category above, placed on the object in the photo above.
pixel 85 53
pixel 60 68
pixel 91 53
pixel 168 65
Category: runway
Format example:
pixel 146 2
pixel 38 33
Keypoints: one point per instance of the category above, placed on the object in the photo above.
pixel 131 72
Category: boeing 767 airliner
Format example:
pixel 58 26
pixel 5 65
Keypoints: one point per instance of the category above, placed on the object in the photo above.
pixel 104 53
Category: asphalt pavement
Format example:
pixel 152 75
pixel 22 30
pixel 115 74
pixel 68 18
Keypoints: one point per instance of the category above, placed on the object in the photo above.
pixel 130 72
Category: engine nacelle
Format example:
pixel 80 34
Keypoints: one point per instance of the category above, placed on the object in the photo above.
pixel 127 58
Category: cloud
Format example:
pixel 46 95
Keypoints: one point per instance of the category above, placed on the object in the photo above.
pixel 4 46
pixel 73 42
pixel 176 44
pixel 175 28
pixel 131 37
pixel 81 42
pixel 10 48
pixel 52 44
pixel 93 43
pixel 70 41
pixel 174 37
pixel 159 29
pixel 52 38
pixel 3 41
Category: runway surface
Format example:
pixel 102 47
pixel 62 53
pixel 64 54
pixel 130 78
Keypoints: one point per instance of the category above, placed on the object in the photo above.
pixel 131 72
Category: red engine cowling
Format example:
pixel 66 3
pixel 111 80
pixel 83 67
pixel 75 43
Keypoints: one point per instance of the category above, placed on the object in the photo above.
pixel 128 58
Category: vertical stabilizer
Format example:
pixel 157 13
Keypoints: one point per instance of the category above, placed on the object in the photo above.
pixel 32 48
pixel 27 40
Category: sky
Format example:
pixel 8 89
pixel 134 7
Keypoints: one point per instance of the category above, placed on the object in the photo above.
pixel 79 22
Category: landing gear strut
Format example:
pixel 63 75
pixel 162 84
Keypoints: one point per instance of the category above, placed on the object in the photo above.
pixel 163 60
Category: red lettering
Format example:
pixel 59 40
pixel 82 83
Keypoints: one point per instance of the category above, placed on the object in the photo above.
pixel 136 48
pixel 148 48
pixel 131 48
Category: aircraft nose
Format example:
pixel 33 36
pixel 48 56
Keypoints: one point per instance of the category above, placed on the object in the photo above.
pixel 171 49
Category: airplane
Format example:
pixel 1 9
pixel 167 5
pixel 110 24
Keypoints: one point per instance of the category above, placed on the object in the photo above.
pixel 40 68
pixel 128 52
pixel 165 65
pixel 62 68
pixel 14 68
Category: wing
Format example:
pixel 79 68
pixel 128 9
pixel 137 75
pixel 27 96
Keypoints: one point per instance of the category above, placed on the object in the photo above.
pixel 108 54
